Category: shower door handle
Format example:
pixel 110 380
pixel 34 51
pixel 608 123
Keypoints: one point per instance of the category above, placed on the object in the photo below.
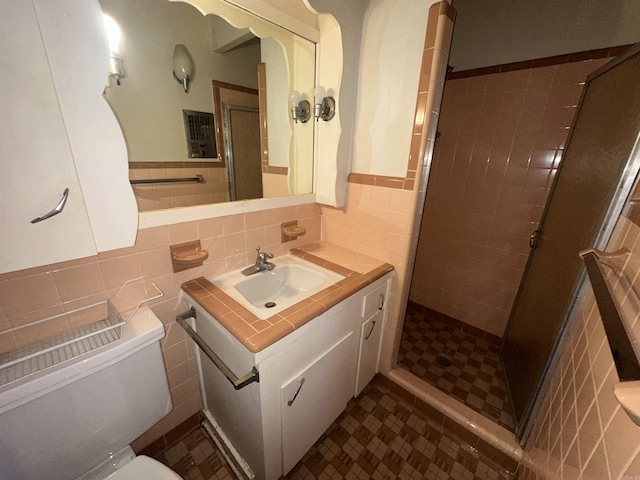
pixel 533 238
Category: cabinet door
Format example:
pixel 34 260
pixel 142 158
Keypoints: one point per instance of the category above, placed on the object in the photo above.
pixel 35 156
pixel 369 350
pixel 314 398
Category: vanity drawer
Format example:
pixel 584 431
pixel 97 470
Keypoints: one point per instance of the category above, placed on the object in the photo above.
pixel 374 301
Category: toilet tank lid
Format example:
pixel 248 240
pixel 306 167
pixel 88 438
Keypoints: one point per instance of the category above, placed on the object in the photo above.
pixel 143 467
pixel 143 329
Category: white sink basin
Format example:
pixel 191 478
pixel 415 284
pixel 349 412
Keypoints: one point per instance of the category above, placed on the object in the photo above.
pixel 269 292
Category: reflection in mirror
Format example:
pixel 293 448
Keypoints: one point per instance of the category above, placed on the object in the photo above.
pixel 243 76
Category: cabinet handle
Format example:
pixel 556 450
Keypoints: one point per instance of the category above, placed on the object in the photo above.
pixel 381 301
pixel 290 402
pixel 59 207
pixel 373 325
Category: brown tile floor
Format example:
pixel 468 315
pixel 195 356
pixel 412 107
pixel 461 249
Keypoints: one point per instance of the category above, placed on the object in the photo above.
pixel 379 436
pixel 458 360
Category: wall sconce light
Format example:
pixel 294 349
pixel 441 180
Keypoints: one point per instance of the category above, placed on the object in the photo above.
pixel 116 61
pixel 300 109
pixel 182 66
pixel 325 107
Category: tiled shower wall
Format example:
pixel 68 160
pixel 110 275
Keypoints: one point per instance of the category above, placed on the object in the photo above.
pixel 37 293
pixel 581 430
pixel 498 149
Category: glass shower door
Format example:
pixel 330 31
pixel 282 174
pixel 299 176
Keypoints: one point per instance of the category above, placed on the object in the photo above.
pixel 603 137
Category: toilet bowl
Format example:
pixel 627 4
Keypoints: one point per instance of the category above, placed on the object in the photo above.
pixel 144 468
pixel 125 465
pixel 76 419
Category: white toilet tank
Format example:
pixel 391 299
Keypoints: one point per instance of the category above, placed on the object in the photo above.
pixel 62 421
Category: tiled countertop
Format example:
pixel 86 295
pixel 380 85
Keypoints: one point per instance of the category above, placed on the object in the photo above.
pixel 256 334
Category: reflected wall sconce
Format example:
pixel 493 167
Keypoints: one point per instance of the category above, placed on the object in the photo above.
pixel 183 67
pixel 300 109
pixel 116 61
pixel 324 107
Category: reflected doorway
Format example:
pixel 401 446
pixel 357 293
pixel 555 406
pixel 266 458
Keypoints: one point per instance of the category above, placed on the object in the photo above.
pixel 242 144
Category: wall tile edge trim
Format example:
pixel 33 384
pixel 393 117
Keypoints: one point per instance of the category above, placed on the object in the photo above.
pixel 408 181
pixel 541 62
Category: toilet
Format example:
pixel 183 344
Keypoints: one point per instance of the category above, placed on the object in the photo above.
pixel 76 419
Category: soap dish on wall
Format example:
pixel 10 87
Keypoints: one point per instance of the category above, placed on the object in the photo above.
pixel 291 231
pixel 187 255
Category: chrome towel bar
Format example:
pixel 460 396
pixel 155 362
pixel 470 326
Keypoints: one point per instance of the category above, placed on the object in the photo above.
pixel 196 179
pixel 238 383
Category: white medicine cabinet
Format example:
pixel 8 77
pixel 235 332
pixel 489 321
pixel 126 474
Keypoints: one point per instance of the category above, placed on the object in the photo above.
pixel 64 188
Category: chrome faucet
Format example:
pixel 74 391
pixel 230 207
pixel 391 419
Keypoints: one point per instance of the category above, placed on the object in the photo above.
pixel 262 263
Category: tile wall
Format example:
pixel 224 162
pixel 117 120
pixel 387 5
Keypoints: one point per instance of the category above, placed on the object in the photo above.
pixel 581 431
pixel 160 196
pixel 499 145
pixel 33 294
pixel 378 222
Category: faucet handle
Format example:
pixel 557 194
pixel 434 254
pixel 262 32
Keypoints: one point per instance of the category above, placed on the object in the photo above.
pixel 262 255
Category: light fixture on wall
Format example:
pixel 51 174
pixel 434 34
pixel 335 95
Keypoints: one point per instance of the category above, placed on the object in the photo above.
pixel 300 109
pixel 324 107
pixel 182 66
pixel 116 61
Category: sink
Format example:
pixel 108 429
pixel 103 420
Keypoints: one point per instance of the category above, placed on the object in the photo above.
pixel 269 292
pixel 281 283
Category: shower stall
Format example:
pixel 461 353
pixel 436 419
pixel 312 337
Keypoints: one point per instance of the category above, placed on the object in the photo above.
pixel 496 266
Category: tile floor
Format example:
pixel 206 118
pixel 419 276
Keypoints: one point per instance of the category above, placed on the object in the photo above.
pixel 458 360
pixel 379 436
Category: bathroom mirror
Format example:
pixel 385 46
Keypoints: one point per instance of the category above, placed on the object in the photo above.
pixel 227 48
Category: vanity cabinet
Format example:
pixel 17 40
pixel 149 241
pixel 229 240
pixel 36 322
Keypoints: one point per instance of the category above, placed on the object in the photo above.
pixel 306 381
pixel 58 135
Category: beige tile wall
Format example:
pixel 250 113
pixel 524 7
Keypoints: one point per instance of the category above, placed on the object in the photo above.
pixel 581 431
pixel 378 222
pixel 501 137
pixel 274 185
pixel 160 196
pixel 30 295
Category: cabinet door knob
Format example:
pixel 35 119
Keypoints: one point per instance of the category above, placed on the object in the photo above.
pixel 373 325
pixel 290 402
pixel 381 301
pixel 58 208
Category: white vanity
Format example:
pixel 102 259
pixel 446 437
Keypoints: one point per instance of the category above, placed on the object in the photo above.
pixel 306 375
